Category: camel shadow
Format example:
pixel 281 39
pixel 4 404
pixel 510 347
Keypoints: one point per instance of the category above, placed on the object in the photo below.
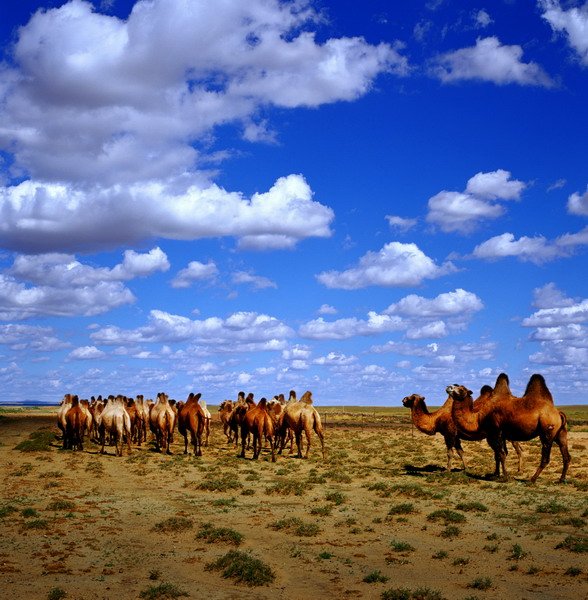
pixel 427 470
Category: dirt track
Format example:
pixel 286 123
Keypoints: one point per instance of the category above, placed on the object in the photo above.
pixel 100 529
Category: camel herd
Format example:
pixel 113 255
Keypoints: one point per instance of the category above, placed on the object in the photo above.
pixel 128 419
pixel 498 417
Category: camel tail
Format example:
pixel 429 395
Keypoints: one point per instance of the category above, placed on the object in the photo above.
pixel 564 420
pixel 537 385
pixel 502 384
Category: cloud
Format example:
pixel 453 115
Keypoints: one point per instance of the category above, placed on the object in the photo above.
pixel 548 296
pixel 45 217
pixel 482 19
pixel 85 353
pixel 537 249
pixel 578 203
pixel 401 223
pixel 576 313
pixel 63 286
pixel 327 309
pixel 341 329
pixel 240 330
pixel 27 337
pixel 395 265
pixel 335 359
pixel 257 282
pixel 489 60
pixel 463 211
pixel 193 273
pixel 105 127
pixel 447 304
pixel 572 22
pixel 435 330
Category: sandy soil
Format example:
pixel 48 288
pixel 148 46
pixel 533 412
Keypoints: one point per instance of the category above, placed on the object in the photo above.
pixel 81 525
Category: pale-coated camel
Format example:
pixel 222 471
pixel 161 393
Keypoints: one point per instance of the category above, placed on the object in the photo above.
pixel 115 420
pixel 64 406
pixel 441 421
pixel 509 417
pixel 302 416
pixel 162 421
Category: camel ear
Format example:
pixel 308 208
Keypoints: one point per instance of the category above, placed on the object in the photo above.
pixel 470 392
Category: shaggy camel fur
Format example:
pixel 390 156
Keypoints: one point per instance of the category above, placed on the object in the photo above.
pixel 258 423
pixel 64 406
pixel 224 411
pixel 441 421
pixel 191 420
pixel 162 421
pixel 115 420
pixel 302 416
pixel 75 424
pixel 508 417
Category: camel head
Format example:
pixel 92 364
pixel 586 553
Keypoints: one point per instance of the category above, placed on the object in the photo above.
pixel 459 393
pixel 410 401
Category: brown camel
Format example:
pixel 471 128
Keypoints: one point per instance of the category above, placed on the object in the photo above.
pixel 75 424
pixel 302 416
pixel 191 420
pixel 441 421
pixel 259 424
pixel 507 417
pixel 224 411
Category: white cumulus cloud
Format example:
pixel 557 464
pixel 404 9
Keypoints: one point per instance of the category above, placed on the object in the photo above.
pixel 572 22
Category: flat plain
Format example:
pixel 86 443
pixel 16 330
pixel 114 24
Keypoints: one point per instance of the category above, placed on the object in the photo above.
pixel 378 517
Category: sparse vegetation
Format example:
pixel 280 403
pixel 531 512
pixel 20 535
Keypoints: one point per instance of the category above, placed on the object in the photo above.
pixel 173 524
pixel 376 577
pixel 38 441
pixel 243 568
pixel 421 593
pixel 163 591
pixel 481 583
pixel 212 535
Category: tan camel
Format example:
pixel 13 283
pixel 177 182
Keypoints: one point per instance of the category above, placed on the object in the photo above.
pixel 115 420
pixel 508 417
pixel 302 416
pixel 162 421
pixel 64 406
pixel 259 424
pixel 441 421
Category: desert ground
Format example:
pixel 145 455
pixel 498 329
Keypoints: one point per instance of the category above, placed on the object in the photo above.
pixel 378 517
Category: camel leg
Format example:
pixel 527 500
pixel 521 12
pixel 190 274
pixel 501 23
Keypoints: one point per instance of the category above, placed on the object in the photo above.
pixel 459 450
pixel 545 457
pixel 562 441
pixel 499 448
pixel 321 438
pixel 307 434
pixel 449 444
pixel 243 442
pixel 519 450
pixel 299 443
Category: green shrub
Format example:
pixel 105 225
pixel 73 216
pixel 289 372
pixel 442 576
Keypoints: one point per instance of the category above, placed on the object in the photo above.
pixel 376 577
pixel 38 441
pixel 219 534
pixel 243 568
pixel 163 591
pixel 481 583
pixel 56 594
pixel 574 544
pixel 61 505
pixel 472 507
pixel 422 593
pixel 552 508
pixel 401 546
pixel 174 524
pixel 401 509
pixel 449 516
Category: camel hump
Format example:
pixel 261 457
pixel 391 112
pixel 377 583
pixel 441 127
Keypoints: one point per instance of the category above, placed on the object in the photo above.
pixel 537 385
pixel 262 403
pixel 306 397
pixel 75 401
pixel 502 384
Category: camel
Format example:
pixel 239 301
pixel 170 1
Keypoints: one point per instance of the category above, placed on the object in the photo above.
pixel 302 416
pixel 207 420
pixel 75 425
pixel 512 418
pixel 224 410
pixel 239 410
pixel 192 420
pixel 142 418
pixel 115 420
pixel 258 423
pixel 441 421
pixel 64 406
pixel 162 421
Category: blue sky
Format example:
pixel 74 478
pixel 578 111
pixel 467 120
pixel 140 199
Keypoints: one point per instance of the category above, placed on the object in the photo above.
pixel 367 200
